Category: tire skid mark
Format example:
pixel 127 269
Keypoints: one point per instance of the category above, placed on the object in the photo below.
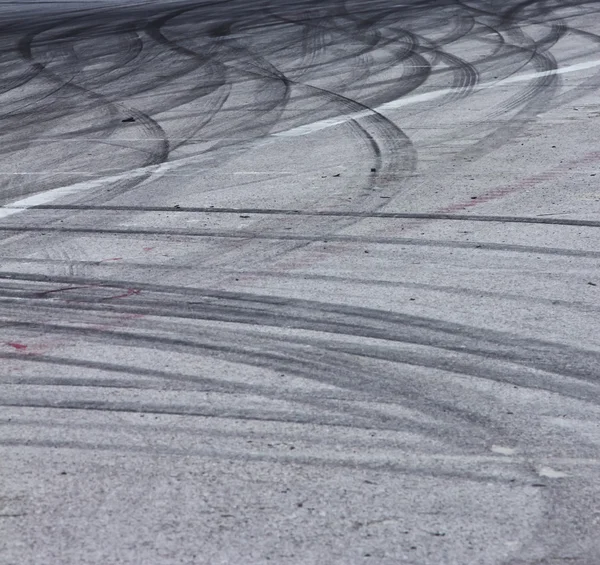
pixel 329 364
pixel 421 467
pixel 302 240
pixel 346 403
pixel 339 366
pixel 315 316
pixel 92 98
pixel 585 307
pixel 322 366
pixel 397 144
pixel 337 213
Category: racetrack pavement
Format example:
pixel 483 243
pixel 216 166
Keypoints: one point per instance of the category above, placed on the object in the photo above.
pixel 300 282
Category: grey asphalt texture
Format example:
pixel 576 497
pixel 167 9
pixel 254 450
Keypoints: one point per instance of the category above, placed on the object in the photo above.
pixel 300 282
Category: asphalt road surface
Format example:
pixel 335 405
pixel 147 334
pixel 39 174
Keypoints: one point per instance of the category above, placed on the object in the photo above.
pixel 300 282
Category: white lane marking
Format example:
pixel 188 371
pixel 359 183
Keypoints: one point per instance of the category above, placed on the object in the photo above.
pixel 426 97
pixel 551 473
pixel 56 193
pixel 560 71
pixel 263 173
pixel 191 174
pixel 307 129
pixel 47 173
pixel 503 450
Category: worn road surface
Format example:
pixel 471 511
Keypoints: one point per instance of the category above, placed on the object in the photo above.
pixel 300 282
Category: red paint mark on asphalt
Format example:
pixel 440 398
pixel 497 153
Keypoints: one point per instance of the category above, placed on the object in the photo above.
pixel 148 248
pixel 117 321
pixel 500 192
pixel 527 182
pixel 130 292
pixel 18 346
pixel 133 316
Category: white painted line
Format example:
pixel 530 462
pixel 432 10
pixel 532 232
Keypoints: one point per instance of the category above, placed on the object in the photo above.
pixel 56 193
pixel 503 450
pixel 323 124
pixel 263 173
pixel 426 97
pixel 562 71
pixel 191 174
pixel 46 173
pixel 551 473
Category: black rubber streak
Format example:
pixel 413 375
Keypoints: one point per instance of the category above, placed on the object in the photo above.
pixel 74 79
